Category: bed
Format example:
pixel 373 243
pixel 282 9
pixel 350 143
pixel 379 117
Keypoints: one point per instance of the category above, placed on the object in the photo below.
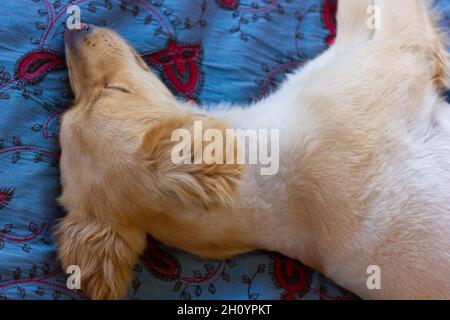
pixel 207 51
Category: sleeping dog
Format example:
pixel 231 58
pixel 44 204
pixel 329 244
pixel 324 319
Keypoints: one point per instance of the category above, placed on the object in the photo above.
pixel 364 171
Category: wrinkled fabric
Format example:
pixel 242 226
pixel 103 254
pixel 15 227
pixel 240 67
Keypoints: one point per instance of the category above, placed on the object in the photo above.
pixel 208 51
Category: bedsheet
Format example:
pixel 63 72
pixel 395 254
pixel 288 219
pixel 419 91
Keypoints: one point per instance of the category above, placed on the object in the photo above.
pixel 237 51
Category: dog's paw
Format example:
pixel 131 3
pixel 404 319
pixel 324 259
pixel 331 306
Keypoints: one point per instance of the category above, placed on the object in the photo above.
pixel 105 254
pixel 109 281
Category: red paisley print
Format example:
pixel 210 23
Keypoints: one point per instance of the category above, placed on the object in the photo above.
pixel 228 4
pixel 329 18
pixel 290 275
pixel 34 65
pixel 6 195
pixel 159 263
pixel 179 65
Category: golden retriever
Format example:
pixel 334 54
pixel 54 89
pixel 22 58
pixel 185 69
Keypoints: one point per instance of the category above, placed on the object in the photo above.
pixel 364 172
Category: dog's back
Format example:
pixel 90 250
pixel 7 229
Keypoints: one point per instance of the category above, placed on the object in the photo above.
pixel 372 179
pixel 382 105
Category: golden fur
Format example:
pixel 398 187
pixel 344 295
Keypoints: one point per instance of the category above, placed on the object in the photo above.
pixel 347 196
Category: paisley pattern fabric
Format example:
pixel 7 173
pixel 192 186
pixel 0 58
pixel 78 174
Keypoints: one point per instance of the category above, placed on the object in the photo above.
pixel 208 51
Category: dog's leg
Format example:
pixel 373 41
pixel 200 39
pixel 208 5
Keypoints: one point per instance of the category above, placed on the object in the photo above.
pixel 407 24
pixel 104 253
pixel 412 25
pixel 405 20
pixel 352 21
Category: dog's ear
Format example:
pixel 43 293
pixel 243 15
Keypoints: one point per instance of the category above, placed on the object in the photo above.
pixel 192 160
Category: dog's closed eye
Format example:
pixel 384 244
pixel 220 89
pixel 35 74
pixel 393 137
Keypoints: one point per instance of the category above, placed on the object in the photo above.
pixel 118 87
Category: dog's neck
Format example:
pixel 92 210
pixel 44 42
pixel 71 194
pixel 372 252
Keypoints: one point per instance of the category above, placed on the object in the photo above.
pixel 299 212
pixel 252 224
pixel 308 210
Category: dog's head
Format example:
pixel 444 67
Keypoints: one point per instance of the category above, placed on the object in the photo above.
pixel 98 59
pixel 121 103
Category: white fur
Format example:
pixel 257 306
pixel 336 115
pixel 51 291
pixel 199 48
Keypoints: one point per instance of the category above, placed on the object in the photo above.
pixel 405 225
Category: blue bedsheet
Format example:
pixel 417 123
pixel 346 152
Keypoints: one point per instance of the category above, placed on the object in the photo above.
pixel 238 52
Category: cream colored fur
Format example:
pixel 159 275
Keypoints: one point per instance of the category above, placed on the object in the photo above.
pixel 364 176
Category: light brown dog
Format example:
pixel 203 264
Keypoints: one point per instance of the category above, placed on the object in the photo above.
pixel 364 175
